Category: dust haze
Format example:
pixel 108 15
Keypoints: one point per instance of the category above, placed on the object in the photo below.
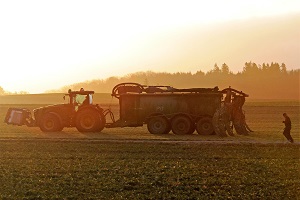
pixel 259 56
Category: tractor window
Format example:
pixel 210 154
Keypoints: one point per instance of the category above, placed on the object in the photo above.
pixel 91 99
pixel 79 99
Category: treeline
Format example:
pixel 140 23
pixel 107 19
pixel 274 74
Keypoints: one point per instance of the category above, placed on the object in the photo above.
pixel 266 81
pixel 4 92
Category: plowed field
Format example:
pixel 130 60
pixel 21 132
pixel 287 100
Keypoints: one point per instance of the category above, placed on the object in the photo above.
pixel 130 163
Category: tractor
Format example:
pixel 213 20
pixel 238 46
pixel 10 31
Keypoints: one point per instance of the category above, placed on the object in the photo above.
pixel 79 112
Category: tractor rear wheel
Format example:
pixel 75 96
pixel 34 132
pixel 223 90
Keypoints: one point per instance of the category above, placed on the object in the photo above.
pixel 89 121
pixel 158 125
pixel 181 125
pixel 204 126
pixel 50 123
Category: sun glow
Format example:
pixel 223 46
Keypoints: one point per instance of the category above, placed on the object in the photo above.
pixel 48 44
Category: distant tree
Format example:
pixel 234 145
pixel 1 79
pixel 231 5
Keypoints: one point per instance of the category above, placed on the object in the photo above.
pixel 225 69
pixel 295 72
pixel 215 70
pixel 146 82
pixel 283 68
pixel 265 67
pixel 2 92
pixel 200 73
pixel 23 92
pixel 112 80
pixel 275 68
pixel 251 68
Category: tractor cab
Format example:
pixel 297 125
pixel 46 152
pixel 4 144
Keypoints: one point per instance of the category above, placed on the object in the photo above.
pixel 79 98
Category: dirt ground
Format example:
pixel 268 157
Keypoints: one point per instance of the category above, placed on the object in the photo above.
pixel 141 135
pixel 264 117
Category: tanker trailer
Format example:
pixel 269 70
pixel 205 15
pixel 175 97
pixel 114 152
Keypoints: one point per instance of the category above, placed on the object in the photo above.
pixel 164 108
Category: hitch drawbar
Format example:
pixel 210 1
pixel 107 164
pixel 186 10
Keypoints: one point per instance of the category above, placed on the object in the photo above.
pixel 18 116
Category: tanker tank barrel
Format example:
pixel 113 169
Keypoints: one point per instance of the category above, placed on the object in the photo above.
pixel 163 107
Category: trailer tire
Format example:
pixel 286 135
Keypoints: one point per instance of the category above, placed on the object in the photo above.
pixel 50 123
pixel 89 121
pixel 181 125
pixel 204 126
pixel 158 125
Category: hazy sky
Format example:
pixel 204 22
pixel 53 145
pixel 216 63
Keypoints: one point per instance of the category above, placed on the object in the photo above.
pixel 48 44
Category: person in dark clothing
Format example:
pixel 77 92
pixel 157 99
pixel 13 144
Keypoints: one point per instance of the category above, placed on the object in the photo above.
pixel 288 126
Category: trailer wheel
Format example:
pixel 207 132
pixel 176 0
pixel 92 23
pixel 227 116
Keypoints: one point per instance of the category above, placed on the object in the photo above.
pixel 204 126
pixel 181 125
pixel 158 125
pixel 89 121
pixel 50 123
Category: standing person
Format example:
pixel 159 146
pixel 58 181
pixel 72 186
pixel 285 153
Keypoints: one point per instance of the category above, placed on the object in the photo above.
pixel 288 127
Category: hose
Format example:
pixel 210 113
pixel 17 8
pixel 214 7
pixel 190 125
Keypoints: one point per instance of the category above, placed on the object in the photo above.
pixel 111 114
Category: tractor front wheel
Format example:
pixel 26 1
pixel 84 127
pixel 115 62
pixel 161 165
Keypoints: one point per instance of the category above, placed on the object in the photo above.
pixel 50 123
